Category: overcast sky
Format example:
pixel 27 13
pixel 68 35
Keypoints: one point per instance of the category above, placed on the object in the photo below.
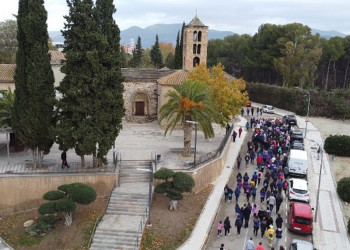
pixel 239 16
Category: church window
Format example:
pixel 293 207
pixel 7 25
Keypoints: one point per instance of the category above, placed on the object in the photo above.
pixel 194 48
pixel 196 61
pixel 199 36
pixel 198 49
pixel 195 36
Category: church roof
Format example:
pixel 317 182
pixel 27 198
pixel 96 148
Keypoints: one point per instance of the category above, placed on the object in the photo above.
pixel 196 23
pixel 175 78
pixel 145 75
pixel 57 56
pixel 6 72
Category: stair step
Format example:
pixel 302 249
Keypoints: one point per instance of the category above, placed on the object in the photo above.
pixel 128 203
pixel 130 213
pixel 129 195
pixel 101 246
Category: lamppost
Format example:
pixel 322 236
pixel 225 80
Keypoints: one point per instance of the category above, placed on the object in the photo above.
pixel 308 107
pixel 195 140
pixel 319 151
pixel 149 193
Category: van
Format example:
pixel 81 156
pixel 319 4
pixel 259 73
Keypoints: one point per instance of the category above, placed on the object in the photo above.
pixel 297 163
pixel 300 218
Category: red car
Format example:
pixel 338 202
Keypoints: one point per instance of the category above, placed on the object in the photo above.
pixel 300 218
pixel 249 104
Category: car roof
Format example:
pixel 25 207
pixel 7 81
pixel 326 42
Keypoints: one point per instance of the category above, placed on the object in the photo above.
pixel 298 154
pixel 304 245
pixel 302 210
pixel 299 183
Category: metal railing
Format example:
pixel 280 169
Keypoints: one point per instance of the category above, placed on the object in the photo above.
pixel 214 154
pixel 100 216
pixel 140 229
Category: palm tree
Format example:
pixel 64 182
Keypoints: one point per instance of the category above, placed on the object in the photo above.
pixel 6 107
pixel 190 101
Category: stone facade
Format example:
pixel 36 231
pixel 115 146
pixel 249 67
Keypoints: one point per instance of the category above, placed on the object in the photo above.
pixel 195 43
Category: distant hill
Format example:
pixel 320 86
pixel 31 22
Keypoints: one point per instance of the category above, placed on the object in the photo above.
pixel 327 34
pixel 166 33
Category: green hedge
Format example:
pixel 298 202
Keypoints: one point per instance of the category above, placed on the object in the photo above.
pixel 338 145
pixel 343 188
pixel 335 103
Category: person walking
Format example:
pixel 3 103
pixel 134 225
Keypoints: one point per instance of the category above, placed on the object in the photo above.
pixel 238 224
pixel 270 234
pixel 279 221
pixel 242 112
pixel 247 158
pixel 250 244
pixel 247 126
pixel 252 110
pixel 253 193
pixel 237 193
pixel 239 159
pixel 234 135
pixel 222 247
pixel 278 238
pixel 226 192
pixel 279 201
pixel 229 195
pixel 64 160
pixel 256 224
pixel 260 246
pixel 228 128
pixel 246 211
pixel 272 202
pixel 248 110
pixel 240 130
pixel 227 226
pixel 220 227
pixel 262 195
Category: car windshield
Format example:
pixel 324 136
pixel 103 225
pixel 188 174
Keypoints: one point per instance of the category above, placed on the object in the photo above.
pixel 300 191
pixel 301 220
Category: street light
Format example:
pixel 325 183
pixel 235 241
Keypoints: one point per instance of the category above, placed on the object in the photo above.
pixel 308 107
pixel 195 140
pixel 319 151
pixel 149 193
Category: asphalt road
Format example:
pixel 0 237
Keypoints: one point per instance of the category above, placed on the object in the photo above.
pixel 233 241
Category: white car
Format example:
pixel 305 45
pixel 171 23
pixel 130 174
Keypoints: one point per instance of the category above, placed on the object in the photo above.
pixel 268 109
pixel 301 245
pixel 298 190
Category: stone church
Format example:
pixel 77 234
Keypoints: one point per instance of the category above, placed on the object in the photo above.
pixel 144 89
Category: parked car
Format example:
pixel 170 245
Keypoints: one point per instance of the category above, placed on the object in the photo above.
pixel 249 104
pixel 298 163
pixel 301 245
pixel 300 218
pixel 296 135
pixel 289 119
pixel 268 109
pixel 298 190
pixel 297 145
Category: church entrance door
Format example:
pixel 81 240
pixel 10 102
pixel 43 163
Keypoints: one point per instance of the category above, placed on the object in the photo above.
pixel 140 108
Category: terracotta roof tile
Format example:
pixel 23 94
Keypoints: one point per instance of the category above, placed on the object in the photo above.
pixel 57 56
pixel 6 72
pixel 145 75
pixel 175 78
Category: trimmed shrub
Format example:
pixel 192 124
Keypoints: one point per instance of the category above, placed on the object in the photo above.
pixel 164 174
pixel 81 193
pixel 65 205
pixel 174 194
pixel 343 189
pixel 338 145
pixel 47 208
pixel 183 182
pixel 162 188
pixel 53 195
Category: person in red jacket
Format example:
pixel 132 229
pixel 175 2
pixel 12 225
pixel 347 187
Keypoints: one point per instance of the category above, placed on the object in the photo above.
pixel 240 132
pixel 260 246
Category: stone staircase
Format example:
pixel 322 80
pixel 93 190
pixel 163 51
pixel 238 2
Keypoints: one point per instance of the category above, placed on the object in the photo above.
pixel 120 227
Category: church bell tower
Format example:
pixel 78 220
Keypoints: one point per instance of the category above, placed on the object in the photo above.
pixel 195 43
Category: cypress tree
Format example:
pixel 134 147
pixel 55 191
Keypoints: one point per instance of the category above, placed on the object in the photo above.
pixel 182 44
pixel 77 120
pixel 110 109
pixel 137 54
pixel 177 57
pixel 34 80
pixel 156 55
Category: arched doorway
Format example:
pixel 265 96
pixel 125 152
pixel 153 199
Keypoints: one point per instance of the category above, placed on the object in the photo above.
pixel 140 104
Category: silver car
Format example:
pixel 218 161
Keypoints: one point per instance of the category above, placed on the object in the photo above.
pixel 268 109
pixel 298 190
pixel 301 245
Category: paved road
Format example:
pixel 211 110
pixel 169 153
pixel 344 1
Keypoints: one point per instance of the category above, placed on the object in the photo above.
pixel 233 241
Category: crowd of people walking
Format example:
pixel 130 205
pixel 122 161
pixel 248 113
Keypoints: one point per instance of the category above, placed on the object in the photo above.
pixel 260 185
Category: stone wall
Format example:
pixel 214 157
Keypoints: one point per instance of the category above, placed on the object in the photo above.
pixel 19 193
pixel 149 90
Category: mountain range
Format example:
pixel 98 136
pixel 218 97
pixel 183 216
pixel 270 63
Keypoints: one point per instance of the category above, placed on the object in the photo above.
pixel 168 33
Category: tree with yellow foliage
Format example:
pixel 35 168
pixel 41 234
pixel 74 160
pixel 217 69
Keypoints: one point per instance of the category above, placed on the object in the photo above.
pixel 190 101
pixel 228 94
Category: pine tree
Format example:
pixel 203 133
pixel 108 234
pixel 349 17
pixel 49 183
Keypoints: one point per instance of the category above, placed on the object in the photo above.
pixel 78 126
pixel 177 57
pixel 156 55
pixel 110 88
pixel 137 54
pixel 34 80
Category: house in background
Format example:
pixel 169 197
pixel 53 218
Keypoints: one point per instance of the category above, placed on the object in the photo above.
pixel 144 89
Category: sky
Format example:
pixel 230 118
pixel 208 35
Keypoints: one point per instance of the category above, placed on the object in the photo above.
pixel 238 16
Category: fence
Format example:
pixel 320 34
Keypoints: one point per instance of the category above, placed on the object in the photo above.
pixel 215 154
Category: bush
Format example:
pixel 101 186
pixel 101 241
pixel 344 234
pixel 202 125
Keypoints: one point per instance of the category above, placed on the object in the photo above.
pixel 47 208
pixel 53 195
pixel 338 145
pixel 183 182
pixel 164 174
pixel 162 188
pixel 81 193
pixel 43 226
pixel 343 188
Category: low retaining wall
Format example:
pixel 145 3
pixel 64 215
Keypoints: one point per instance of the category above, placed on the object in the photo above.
pixel 19 193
